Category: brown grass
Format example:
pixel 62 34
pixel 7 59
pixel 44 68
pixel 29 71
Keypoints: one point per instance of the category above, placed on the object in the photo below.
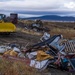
pixel 31 32
pixel 67 33
pixel 67 29
pixel 16 68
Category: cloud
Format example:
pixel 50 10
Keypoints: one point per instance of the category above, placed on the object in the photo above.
pixel 38 6
pixel 70 5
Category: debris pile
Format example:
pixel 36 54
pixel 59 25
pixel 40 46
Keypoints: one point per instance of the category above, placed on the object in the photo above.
pixel 37 26
pixel 11 50
pixel 54 52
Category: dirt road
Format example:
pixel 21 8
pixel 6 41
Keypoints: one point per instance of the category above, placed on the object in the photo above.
pixel 19 38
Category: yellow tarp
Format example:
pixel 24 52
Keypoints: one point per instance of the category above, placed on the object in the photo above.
pixel 7 52
pixel 11 52
pixel 43 56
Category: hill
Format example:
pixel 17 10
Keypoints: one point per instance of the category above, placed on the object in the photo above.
pixel 53 18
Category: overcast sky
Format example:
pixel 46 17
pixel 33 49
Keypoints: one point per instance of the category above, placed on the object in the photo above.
pixel 29 8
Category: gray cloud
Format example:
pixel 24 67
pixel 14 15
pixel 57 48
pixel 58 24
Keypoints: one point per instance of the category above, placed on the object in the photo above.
pixel 60 7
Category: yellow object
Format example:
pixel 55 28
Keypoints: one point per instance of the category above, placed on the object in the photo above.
pixel 43 56
pixel 7 27
pixel 7 52
pixel 13 53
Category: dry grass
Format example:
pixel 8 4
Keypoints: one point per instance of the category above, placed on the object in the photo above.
pixel 27 22
pixel 67 29
pixel 27 31
pixel 16 68
pixel 31 32
pixel 67 33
